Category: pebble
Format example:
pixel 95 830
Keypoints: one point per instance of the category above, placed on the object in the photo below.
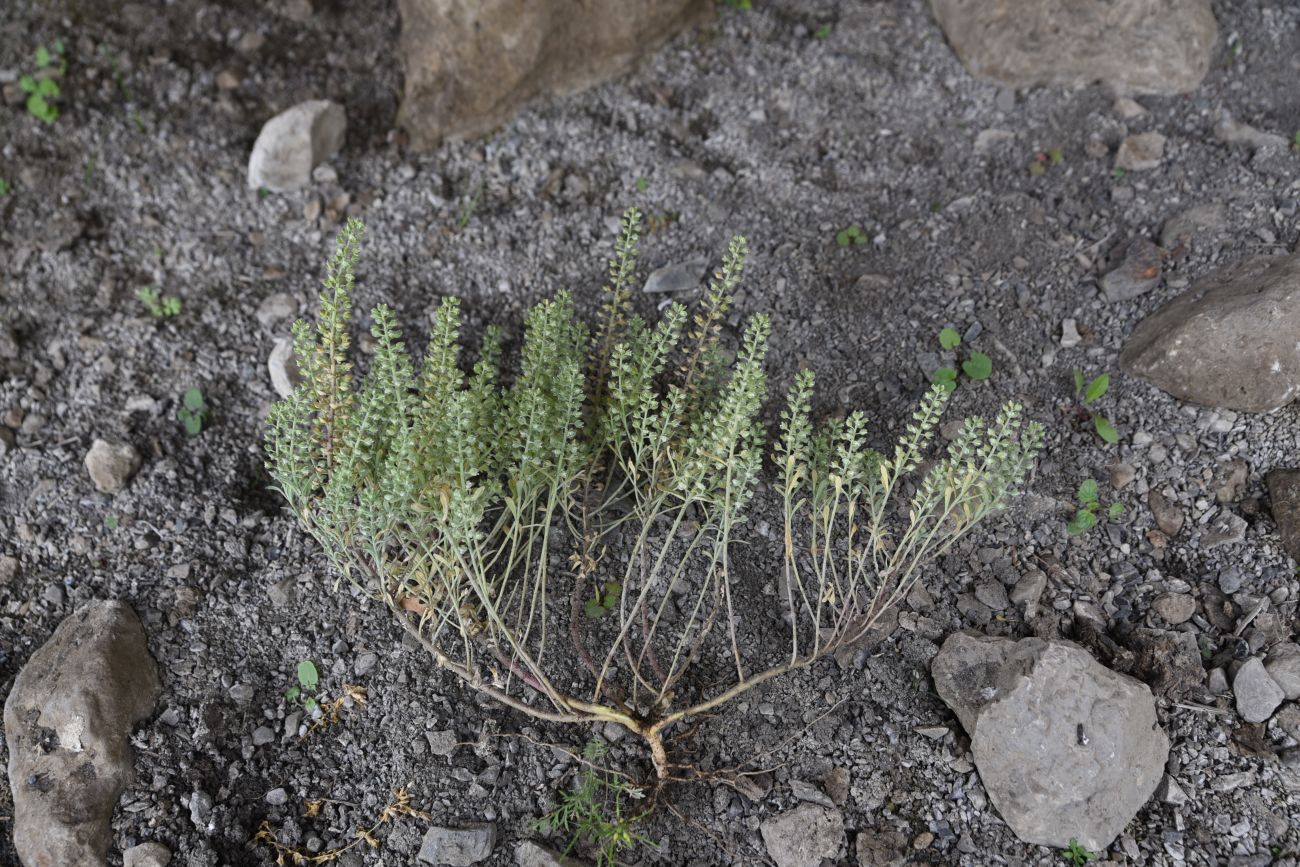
pixel 442 743
pixel 201 809
pixel 1169 518
pixel 804 836
pixel 679 277
pixel 1137 274
pixel 112 465
pixel 1128 109
pixel 1174 608
pixel 7 441
pixel 242 693
pixel 151 854
pixel 277 797
pixel 283 367
pixel 293 142
pixel 1029 590
pixel 1217 681
pixel 1257 694
pixel 808 792
pixel 1283 665
pixel 1226 529
pixel 276 307
pixel 8 569
pixel 1142 152
pixel 1070 336
pixel 365 663
pixel 262 735
pixel 1122 475
pixel 458 847
pixel 993 594
pixel 973 610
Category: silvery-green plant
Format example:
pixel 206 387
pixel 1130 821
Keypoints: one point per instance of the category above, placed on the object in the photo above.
pixel 561 538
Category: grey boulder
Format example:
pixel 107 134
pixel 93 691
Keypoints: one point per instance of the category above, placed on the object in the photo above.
pixel 67 720
pixel 1231 341
pixel 1065 747
pixel 471 64
pixel 802 837
pixel 1143 46
pixel 294 142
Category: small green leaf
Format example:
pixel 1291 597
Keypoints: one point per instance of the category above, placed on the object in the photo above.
pixel 945 376
pixel 27 83
pixel 42 56
pixel 1115 511
pixel 111 521
pixel 48 88
pixel 594 609
pixel 194 400
pixel 58 46
pixel 291 694
pixel 824 31
pixel 1078 381
pixel 1037 169
pixel 307 675
pixel 978 366
pixel 1117 173
pixel 310 704
pixel 1054 156
pixel 193 423
pixel 1097 388
pixel 642 185
pixel 1105 429
pixel 851 236
pixel 1082 522
pixel 1088 492
pixel 949 338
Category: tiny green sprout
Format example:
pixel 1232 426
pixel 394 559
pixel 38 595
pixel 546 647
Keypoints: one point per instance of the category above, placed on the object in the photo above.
pixel 977 366
pixel 41 88
pixel 4 187
pixel 744 5
pixel 1085 394
pixel 1085 518
pixel 159 307
pixel 111 521
pixel 1296 140
pixel 263 192
pixel 851 236
pixel 824 31
pixel 604 601
pixel 467 210
pixel 308 680
pixel 1055 156
pixel 642 185
pixel 193 412
pixel 1117 173
pixel 1077 855
pixel 42 56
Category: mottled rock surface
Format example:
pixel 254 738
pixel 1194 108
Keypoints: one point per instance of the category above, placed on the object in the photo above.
pixel 470 64
pixel 1145 46
pixel 293 142
pixel 1065 747
pixel 802 837
pixel 67 720
pixel 1232 340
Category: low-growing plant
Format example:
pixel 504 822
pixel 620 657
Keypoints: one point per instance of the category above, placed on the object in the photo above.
pixel 159 306
pixel 193 412
pixel 596 810
pixel 1089 498
pixel 852 236
pixel 1078 855
pixel 977 365
pixel 42 86
pixel 1087 393
pixel 615 465
pixel 304 691
pixel 5 188
pixel 824 31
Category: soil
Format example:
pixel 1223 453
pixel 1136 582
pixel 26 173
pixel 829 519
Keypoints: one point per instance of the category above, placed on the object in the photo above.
pixel 750 125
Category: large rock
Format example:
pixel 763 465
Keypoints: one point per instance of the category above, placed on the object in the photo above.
pixel 1284 492
pixel 1231 341
pixel 458 847
pixel 1065 747
pixel 67 720
pixel 470 64
pixel 1144 46
pixel 294 142
pixel 804 836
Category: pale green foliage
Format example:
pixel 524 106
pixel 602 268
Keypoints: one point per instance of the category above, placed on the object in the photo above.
pixel 560 535
pixel 596 811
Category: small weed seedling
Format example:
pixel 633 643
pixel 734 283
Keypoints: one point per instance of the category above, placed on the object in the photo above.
pixel 4 187
pixel 467 210
pixel 744 5
pixel 824 31
pixel 642 185
pixel 604 601
pixel 1295 141
pixel 304 692
pixel 193 412
pixel 1085 518
pixel 159 307
pixel 1087 394
pixel 1043 160
pixel 594 810
pixel 42 87
pixel 852 236
pixel 1077 855
pixel 978 366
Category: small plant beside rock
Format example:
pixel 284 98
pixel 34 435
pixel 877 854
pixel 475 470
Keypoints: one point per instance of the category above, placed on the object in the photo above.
pixel 158 305
pixel 1086 393
pixel 1089 498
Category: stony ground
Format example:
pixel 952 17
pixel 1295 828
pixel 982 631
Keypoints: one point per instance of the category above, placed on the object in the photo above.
pixel 752 125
